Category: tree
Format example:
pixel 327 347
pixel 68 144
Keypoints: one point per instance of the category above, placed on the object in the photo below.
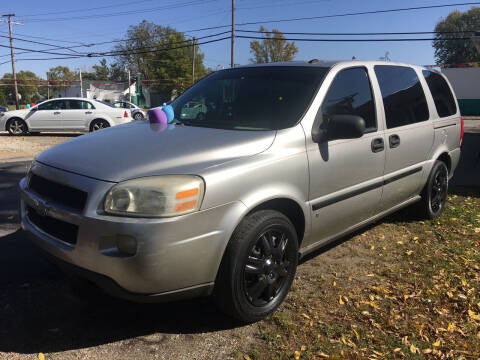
pixel 101 71
pixel 166 70
pixel 457 51
pixel 27 83
pixel 273 48
pixel 60 73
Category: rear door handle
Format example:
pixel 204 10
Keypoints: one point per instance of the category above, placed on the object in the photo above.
pixel 56 113
pixel 377 145
pixel 394 141
pixel 88 112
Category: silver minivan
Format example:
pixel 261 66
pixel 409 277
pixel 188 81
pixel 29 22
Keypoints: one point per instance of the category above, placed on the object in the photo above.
pixel 284 159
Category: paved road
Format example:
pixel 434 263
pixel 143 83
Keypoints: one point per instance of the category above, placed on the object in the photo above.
pixel 35 300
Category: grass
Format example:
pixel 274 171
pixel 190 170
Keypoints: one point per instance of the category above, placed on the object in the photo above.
pixel 402 289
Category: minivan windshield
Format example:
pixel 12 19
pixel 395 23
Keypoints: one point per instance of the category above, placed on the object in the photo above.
pixel 251 98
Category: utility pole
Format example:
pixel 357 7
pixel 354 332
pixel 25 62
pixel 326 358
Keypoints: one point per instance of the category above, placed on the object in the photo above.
pixel 129 87
pixel 48 87
pixel 12 54
pixel 81 83
pixel 193 61
pixel 232 50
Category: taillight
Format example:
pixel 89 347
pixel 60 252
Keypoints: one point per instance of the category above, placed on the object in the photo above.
pixel 461 131
pixel 125 115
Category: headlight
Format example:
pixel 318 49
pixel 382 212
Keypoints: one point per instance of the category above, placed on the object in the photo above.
pixel 156 196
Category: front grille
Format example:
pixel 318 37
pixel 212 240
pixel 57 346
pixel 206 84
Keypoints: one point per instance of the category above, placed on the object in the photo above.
pixel 59 229
pixel 58 193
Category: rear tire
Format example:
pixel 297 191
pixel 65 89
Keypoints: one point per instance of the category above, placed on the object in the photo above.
pixel 138 116
pixel 99 124
pixel 17 127
pixel 434 194
pixel 258 266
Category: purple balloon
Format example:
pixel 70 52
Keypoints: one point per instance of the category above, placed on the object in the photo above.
pixel 157 116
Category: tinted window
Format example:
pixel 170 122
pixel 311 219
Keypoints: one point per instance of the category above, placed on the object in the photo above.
pixel 251 98
pixel 350 93
pixel 441 93
pixel 403 97
pixel 52 105
pixel 75 104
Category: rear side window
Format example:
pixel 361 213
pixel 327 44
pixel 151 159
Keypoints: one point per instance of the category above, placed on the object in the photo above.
pixel 350 93
pixel 403 97
pixel 441 93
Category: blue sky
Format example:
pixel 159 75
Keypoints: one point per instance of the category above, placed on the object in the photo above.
pixel 95 27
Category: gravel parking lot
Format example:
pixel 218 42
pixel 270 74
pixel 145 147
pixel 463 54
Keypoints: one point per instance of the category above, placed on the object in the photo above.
pixel 15 148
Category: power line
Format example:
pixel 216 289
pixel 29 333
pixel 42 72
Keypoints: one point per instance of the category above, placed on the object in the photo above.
pixel 350 40
pixel 358 33
pixel 121 13
pixel 337 15
pixel 84 9
pixel 140 52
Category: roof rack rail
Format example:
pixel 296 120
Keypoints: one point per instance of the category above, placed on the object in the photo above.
pixel 313 61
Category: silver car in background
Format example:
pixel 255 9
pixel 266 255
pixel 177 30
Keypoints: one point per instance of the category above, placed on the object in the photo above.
pixel 284 159
pixel 136 111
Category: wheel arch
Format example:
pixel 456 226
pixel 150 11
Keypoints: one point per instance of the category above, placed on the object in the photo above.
pixel 13 118
pixel 288 207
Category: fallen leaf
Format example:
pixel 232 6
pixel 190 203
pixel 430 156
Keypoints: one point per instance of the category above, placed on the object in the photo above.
pixel 246 357
pixel 400 242
pixel 306 316
pixel 372 262
pixel 370 275
pixel 396 350
pixel 41 356
pixel 415 238
pixel 427 351
pixel 303 348
pixel 334 283
pixel 340 301
pixel 477 230
pixel 451 327
pixel 409 252
pixel 436 343
pixel 356 334
pixel 323 355
pixel 413 349
pixel 473 315
pixel 297 354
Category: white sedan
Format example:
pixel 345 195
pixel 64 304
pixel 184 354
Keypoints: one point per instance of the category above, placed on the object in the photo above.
pixel 64 114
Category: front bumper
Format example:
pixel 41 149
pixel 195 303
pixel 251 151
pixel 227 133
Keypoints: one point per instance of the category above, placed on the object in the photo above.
pixel 173 254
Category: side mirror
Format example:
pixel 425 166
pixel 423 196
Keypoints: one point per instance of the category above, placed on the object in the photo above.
pixel 340 127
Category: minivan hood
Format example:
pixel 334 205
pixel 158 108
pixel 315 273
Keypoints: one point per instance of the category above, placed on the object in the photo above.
pixel 142 149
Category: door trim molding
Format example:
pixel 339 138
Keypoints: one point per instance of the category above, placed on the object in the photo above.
pixel 321 204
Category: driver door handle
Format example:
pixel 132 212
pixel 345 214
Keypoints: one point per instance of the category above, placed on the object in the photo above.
pixel 56 113
pixel 88 112
pixel 394 141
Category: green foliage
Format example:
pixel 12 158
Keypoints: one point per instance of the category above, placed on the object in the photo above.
pixel 3 99
pixel 457 51
pixel 60 73
pixel 173 64
pixel 270 50
pixel 26 84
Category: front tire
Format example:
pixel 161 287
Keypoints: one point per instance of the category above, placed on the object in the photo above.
pixel 17 127
pixel 434 195
pixel 138 116
pixel 258 266
pixel 99 125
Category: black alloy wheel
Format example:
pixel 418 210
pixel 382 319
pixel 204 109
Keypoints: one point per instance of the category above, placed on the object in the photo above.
pixel 438 189
pixel 434 194
pixel 266 268
pixel 258 266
